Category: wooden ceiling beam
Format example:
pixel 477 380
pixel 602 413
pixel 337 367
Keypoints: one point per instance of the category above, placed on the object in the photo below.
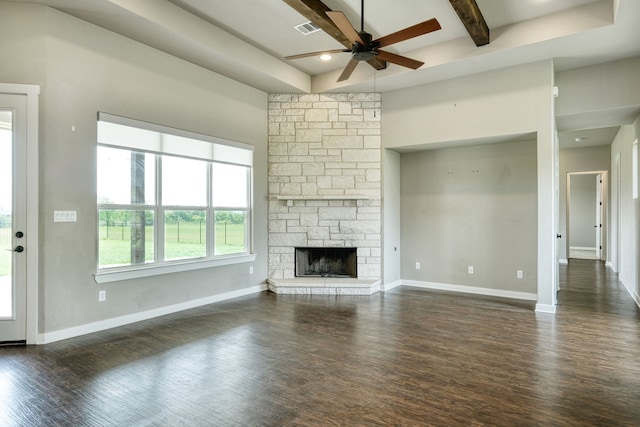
pixel 316 12
pixel 471 16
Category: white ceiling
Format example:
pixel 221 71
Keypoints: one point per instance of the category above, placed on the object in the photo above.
pixel 248 39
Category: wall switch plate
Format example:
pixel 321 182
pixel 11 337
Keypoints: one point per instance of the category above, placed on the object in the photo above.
pixel 251 270
pixel 470 269
pixel 64 216
pixel 102 296
pixel 417 266
pixel 519 274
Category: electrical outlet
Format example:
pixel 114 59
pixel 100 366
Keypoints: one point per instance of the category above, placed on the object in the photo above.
pixel 102 296
pixel 417 266
pixel 251 270
pixel 470 269
pixel 519 274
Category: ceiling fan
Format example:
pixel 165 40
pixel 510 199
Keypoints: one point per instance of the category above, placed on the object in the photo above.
pixel 364 47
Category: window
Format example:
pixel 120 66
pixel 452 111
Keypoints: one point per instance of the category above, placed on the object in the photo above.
pixel 168 197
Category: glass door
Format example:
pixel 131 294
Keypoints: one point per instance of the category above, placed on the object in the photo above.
pixel 12 218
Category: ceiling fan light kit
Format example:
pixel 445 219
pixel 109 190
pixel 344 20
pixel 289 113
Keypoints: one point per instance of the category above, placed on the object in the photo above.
pixel 364 48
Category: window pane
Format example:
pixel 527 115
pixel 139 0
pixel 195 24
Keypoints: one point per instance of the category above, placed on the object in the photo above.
pixel 185 234
pixel 184 182
pixel 229 186
pixel 231 232
pixel 125 237
pixel 118 169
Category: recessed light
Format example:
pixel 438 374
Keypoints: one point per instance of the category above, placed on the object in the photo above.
pixel 325 57
pixel 579 139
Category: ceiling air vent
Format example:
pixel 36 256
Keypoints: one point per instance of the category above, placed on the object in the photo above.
pixel 307 28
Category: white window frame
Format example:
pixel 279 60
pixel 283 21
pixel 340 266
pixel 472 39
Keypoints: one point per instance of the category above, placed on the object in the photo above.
pixel 163 140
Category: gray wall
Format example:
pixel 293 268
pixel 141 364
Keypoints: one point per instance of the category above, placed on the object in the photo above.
pixel 582 210
pixel 83 69
pixel 471 206
pixel 487 108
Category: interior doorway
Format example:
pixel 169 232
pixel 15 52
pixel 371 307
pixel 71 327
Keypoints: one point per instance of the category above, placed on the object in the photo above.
pixel 587 215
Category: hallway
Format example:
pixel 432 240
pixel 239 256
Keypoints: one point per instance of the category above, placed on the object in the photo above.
pixel 589 288
pixel 406 357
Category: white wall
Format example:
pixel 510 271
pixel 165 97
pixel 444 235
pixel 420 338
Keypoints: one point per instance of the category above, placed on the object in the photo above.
pixel 624 209
pixel 83 69
pixel 597 89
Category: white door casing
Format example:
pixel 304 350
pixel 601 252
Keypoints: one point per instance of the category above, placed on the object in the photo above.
pixel 20 105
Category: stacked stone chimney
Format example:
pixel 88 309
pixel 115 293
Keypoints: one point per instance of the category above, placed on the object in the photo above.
pixel 325 185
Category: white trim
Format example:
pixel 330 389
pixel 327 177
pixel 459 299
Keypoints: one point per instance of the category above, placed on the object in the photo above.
pixel 388 286
pixel 32 93
pixel 636 298
pixel 108 276
pixel 582 248
pixel 472 290
pixel 563 261
pixel 634 295
pixel 49 337
pixel 546 308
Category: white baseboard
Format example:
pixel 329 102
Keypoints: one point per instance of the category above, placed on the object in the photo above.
pixel 472 290
pixel 546 308
pixel 634 295
pixel 636 298
pixel 563 261
pixel 391 285
pixel 49 337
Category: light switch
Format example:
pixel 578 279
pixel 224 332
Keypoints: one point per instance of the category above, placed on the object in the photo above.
pixel 64 216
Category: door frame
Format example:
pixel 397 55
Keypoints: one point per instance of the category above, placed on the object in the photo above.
pixel 32 93
pixel 604 185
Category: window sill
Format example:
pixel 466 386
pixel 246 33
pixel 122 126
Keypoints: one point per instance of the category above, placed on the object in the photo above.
pixel 156 270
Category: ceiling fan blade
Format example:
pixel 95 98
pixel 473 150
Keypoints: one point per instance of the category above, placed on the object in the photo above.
pixel 322 52
pixel 408 33
pixel 346 73
pixel 400 60
pixel 345 26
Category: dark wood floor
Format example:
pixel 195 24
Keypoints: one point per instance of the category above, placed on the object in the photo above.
pixel 406 357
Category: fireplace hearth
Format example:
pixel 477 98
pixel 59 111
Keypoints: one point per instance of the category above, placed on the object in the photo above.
pixel 326 262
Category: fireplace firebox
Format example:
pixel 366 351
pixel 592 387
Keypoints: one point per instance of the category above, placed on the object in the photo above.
pixel 326 262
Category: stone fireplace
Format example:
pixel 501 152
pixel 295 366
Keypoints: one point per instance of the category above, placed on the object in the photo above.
pixel 325 188
pixel 326 262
